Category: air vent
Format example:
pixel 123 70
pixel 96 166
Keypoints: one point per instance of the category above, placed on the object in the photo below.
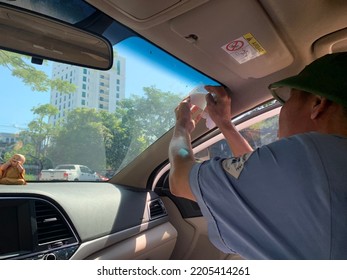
pixel 51 226
pixel 156 209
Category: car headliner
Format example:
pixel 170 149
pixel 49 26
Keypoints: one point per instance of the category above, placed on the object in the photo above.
pixel 290 31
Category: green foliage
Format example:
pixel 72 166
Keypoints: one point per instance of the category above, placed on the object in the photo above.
pixel 116 140
pixel 150 115
pixel 44 111
pixel 30 177
pixel 103 140
pixel 30 76
pixel 146 118
pixel 36 138
pixel 81 140
pixel 62 86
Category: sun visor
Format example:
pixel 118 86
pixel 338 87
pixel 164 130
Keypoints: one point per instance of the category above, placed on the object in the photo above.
pixel 149 10
pixel 331 43
pixel 243 38
pixel 143 14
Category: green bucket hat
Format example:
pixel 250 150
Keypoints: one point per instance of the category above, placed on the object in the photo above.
pixel 326 76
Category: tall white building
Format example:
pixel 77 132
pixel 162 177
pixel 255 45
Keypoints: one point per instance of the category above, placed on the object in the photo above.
pixel 97 89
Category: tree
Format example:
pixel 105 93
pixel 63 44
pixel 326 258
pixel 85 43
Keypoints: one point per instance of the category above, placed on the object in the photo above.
pixel 146 118
pixel 37 137
pixel 153 113
pixel 103 140
pixel 81 140
pixel 34 141
pixel 116 140
pixel 38 130
pixel 36 79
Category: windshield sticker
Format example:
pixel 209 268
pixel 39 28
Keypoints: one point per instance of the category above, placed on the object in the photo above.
pixel 244 49
pixel 234 166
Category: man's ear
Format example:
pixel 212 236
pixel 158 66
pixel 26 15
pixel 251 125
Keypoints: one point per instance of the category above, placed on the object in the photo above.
pixel 319 105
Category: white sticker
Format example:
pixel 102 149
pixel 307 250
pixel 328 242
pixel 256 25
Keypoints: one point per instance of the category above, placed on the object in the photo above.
pixel 234 166
pixel 244 48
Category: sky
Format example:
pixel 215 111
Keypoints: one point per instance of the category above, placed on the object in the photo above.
pixel 18 99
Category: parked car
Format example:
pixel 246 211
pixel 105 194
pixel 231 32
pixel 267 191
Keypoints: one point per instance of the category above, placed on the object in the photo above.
pixel 101 177
pixel 96 83
pixel 69 172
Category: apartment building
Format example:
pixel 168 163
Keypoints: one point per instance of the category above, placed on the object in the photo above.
pixel 97 89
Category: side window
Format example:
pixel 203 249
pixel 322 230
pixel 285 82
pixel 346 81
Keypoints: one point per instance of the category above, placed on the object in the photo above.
pixel 84 169
pixel 257 133
pixel 261 133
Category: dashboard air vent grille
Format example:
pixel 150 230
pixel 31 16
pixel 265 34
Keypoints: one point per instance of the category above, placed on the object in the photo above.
pixel 156 209
pixel 51 226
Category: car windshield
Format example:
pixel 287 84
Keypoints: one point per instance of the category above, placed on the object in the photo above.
pixel 61 114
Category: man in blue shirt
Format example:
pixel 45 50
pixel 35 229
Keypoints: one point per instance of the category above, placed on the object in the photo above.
pixel 285 200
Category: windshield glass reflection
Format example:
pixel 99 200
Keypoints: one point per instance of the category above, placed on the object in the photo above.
pixel 71 116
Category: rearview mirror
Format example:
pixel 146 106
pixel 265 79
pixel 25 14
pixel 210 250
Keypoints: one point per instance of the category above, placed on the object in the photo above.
pixel 27 33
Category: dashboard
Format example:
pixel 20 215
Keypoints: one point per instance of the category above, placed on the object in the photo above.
pixel 60 221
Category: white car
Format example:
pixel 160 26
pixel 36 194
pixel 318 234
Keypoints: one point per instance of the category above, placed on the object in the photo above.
pixel 69 172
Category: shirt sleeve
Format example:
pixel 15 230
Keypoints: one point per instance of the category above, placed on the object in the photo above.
pixel 213 231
